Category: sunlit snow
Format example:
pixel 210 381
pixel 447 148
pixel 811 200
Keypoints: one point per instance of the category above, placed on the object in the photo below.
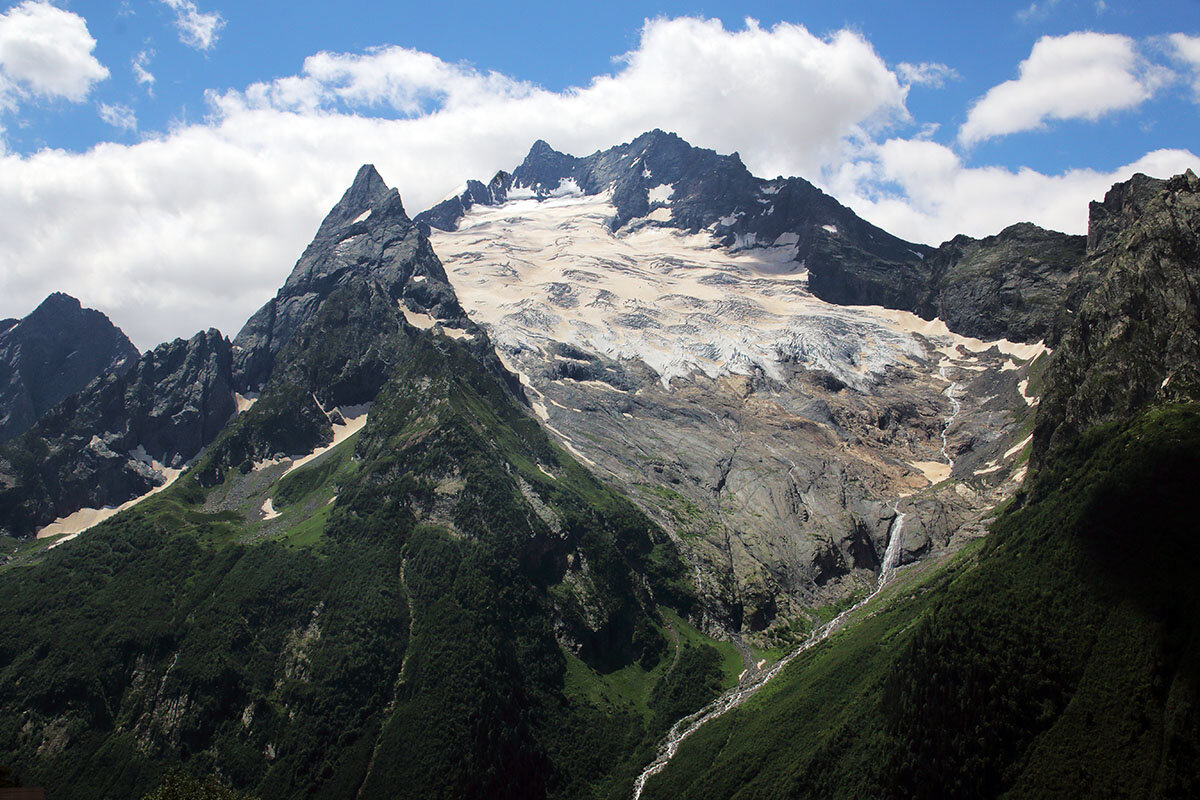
pixel 537 272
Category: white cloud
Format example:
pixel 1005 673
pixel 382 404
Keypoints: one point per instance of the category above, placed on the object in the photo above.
pixel 1036 11
pixel 1187 49
pixel 46 52
pixel 1080 75
pixel 199 226
pixel 139 66
pixel 196 29
pixel 926 74
pixel 921 190
pixel 119 116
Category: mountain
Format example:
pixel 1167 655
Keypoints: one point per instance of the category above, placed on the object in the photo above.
pixel 366 234
pixel 505 499
pixel 1135 340
pixel 54 352
pixel 777 435
pixel 433 600
pixel 121 437
pixel 1061 658
pixel 999 287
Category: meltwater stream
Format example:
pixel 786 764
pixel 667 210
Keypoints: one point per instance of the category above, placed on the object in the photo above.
pixel 950 393
pixel 740 694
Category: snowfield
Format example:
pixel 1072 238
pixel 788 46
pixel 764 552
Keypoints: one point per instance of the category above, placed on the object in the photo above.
pixel 552 271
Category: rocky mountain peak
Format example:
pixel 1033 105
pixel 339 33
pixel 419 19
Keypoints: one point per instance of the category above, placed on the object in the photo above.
pixel 57 350
pixel 367 191
pixel 366 238
pixel 1127 202
pixel 56 303
pixel 544 168
pixel 113 441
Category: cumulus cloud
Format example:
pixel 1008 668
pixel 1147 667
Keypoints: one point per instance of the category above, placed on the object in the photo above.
pixel 197 227
pixel 922 191
pixel 141 73
pixel 1080 75
pixel 1187 49
pixel 196 29
pixel 119 116
pixel 926 74
pixel 703 81
pixel 46 52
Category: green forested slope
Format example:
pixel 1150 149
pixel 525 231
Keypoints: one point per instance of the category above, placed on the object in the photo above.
pixel 409 638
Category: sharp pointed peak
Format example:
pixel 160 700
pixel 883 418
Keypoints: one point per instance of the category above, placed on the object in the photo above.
pixel 59 300
pixel 368 177
pixel 366 192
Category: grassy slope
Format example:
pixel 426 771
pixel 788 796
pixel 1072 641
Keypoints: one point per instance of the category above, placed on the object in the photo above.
pixel 1065 664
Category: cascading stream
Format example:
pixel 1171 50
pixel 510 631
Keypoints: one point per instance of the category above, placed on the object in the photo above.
pixel 733 698
pixel 950 393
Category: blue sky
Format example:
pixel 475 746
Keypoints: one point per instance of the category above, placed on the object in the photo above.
pixel 166 160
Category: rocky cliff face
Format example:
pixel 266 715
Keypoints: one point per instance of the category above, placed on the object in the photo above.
pixel 52 353
pixel 1135 340
pixel 114 440
pixel 366 235
pixel 1019 284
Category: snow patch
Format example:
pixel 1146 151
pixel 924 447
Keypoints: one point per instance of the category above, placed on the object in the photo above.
pixel 268 510
pixel 361 217
pixel 1016 448
pixel 661 193
pixel 85 518
pixel 1023 388
pixel 355 418
pixel 567 187
pixel 934 471
pixel 416 318
pixel 518 192
pixel 831 228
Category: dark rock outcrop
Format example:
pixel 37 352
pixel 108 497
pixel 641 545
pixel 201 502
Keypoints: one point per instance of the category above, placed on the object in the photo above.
pixel 1014 285
pixel 52 353
pixel 1135 340
pixel 97 447
pixel 366 235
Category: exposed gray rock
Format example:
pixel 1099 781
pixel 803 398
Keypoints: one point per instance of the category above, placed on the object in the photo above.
pixel 52 353
pixel 1135 340
pixel 1015 285
pixel 366 235
pixel 95 449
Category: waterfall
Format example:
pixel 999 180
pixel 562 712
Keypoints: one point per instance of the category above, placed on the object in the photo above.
pixel 734 697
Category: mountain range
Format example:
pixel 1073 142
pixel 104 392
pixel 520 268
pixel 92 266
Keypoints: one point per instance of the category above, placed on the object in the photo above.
pixel 630 473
